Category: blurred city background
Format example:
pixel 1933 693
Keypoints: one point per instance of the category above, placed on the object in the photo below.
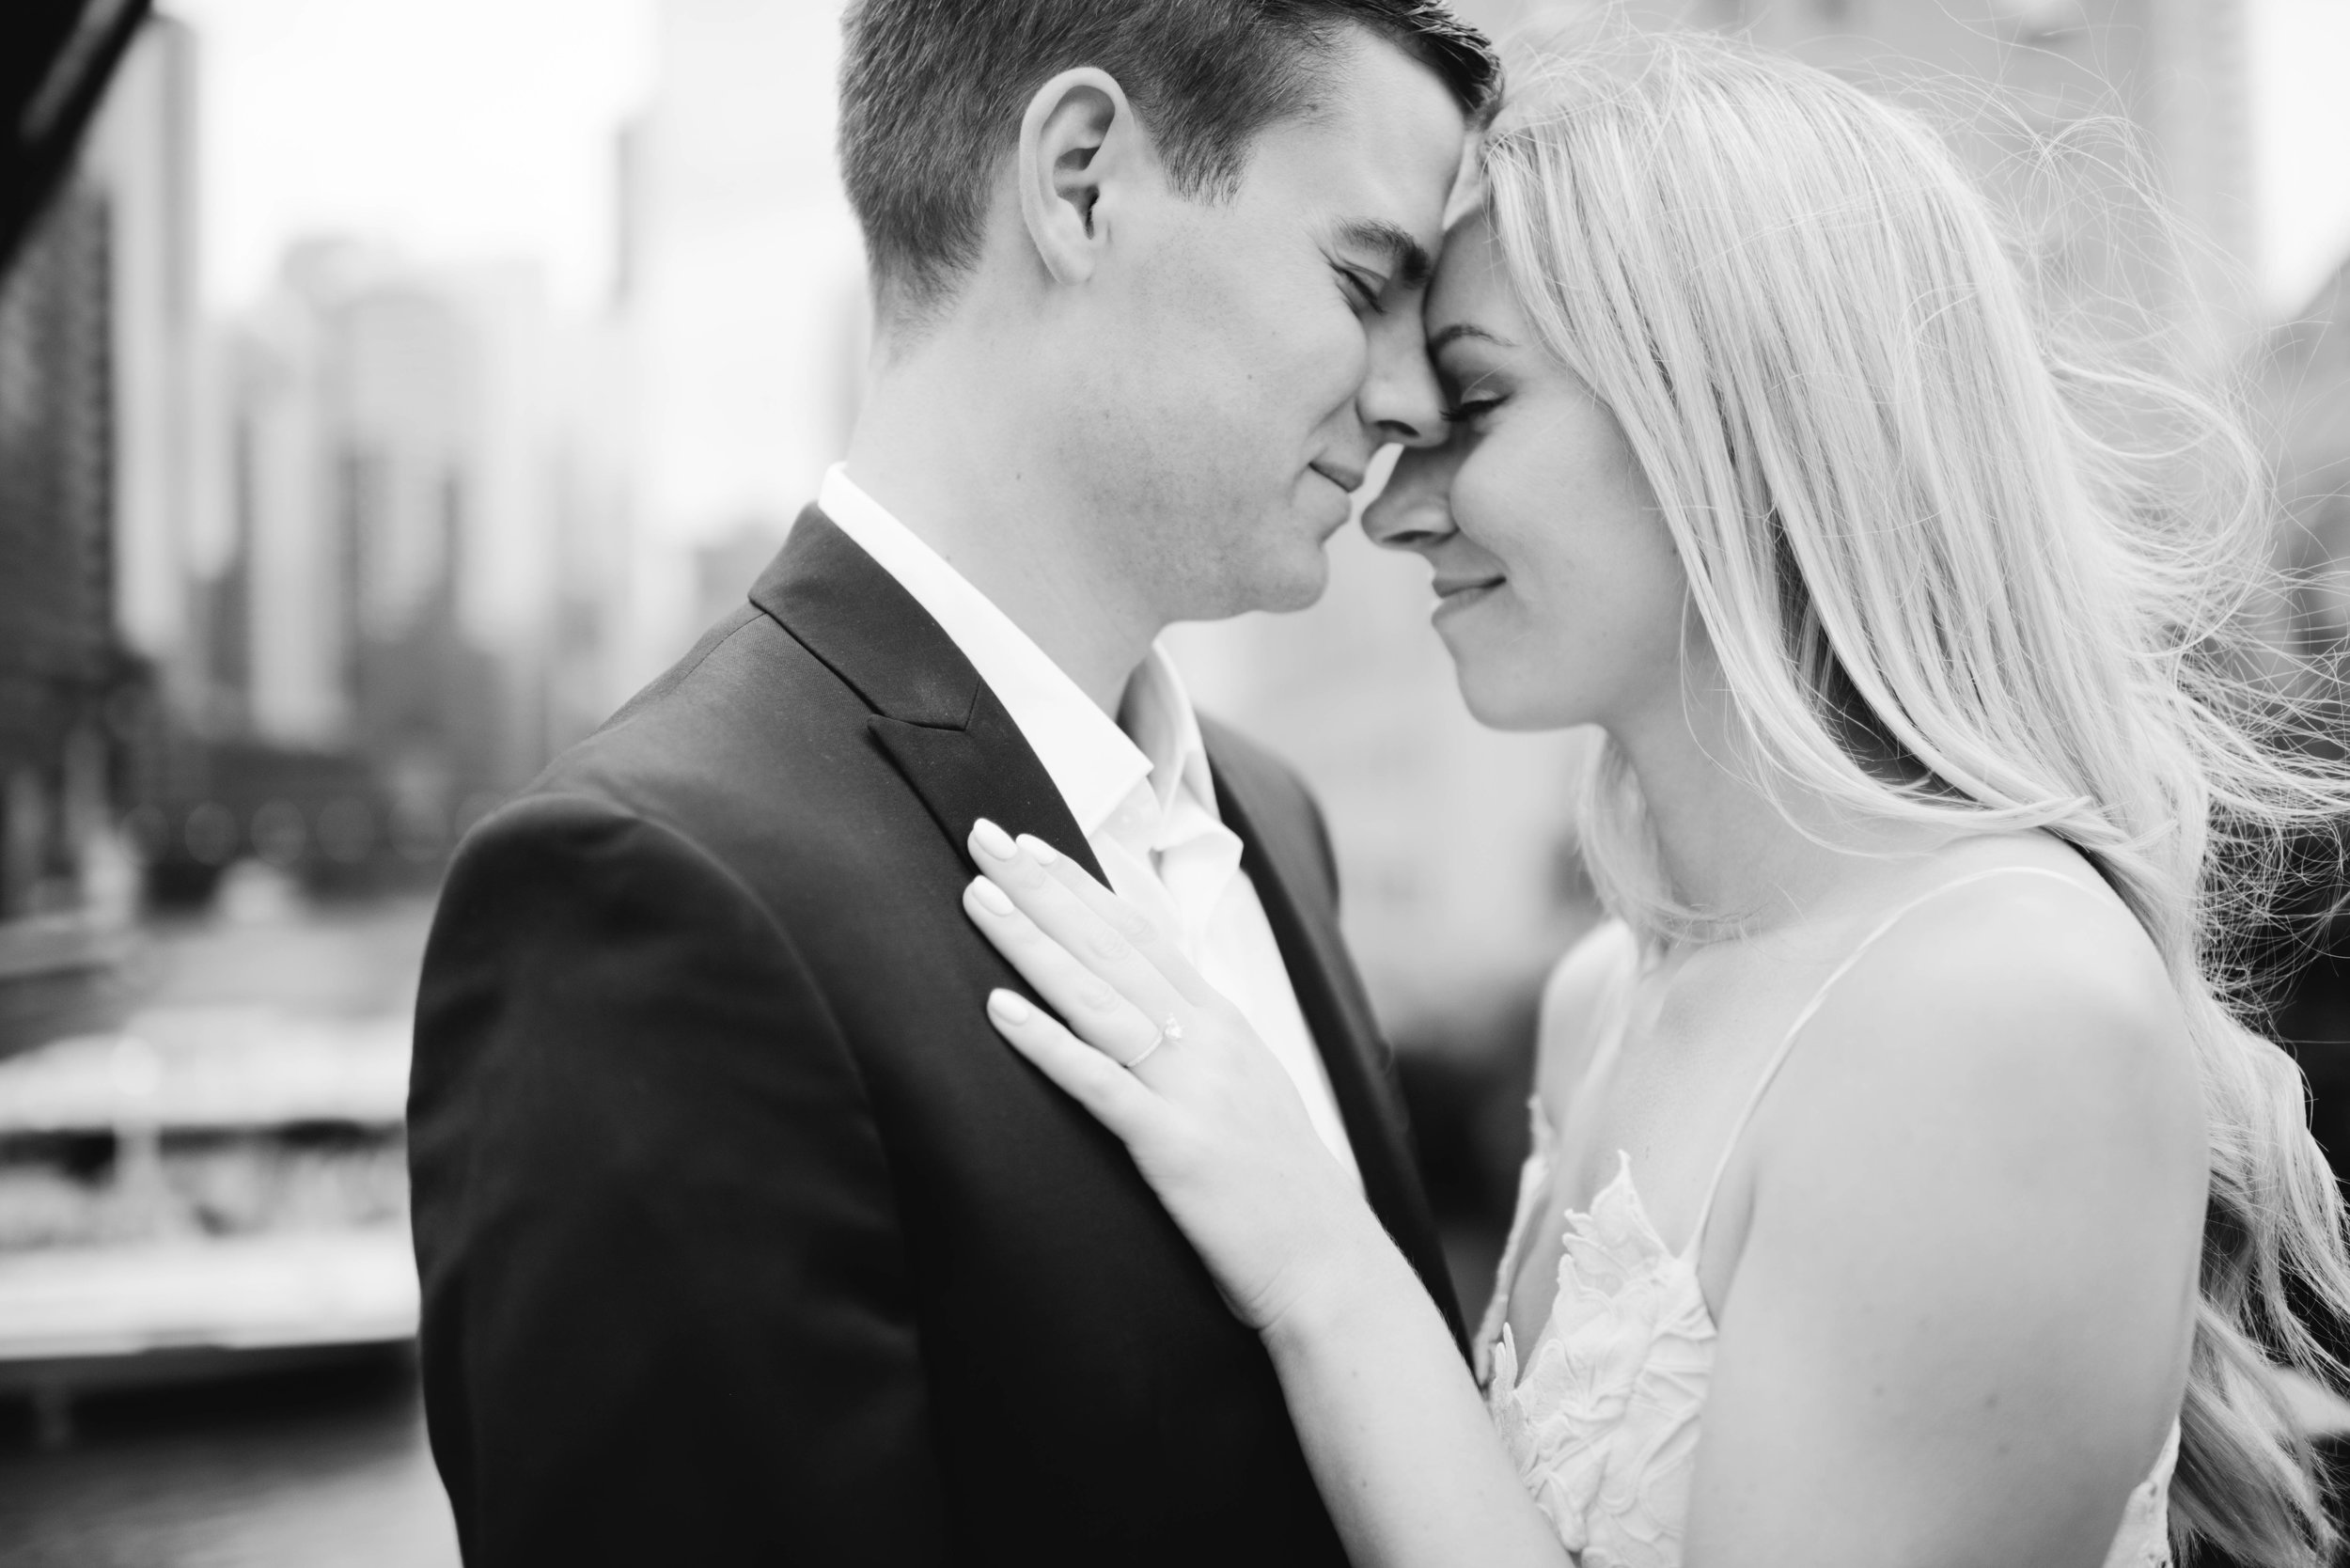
pixel 389 388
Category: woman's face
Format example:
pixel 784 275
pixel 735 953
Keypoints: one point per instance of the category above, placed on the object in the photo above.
pixel 1559 591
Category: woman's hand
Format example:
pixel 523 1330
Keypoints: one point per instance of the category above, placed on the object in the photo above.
pixel 1211 1119
pixel 1390 1423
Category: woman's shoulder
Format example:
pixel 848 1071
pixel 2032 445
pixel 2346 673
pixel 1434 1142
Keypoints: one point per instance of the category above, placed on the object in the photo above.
pixel 2014 1020
pixel 1581 992
pixel 2036 973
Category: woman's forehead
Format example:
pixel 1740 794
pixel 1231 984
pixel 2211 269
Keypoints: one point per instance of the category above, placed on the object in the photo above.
pixel 1470 289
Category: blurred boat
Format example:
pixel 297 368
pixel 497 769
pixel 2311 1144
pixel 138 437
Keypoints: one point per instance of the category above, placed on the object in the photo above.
pixel 62 974
pixel 207 1188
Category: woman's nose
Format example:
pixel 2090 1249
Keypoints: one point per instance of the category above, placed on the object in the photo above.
pixel 1413 511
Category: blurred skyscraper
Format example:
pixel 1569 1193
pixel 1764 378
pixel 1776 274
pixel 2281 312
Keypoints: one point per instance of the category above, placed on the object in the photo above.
pixel 98 466
pixel 2302 395
pixel 2173 70
pixel 744 296
pixel 2306 392
pixel 427 502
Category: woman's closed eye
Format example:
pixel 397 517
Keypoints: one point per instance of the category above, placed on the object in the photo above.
pixel 1472 404
pixel 1468 400
pixel 1467 410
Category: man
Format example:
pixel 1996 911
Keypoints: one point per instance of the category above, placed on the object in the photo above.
pixel 742 1237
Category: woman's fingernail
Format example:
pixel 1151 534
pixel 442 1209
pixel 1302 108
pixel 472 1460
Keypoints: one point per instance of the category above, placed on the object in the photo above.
pixel 1010 1006
pixel 992 898
pixel 993 839
pixel 1044 853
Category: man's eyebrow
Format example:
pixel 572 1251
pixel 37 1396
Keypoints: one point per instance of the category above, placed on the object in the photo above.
pixel 1406 257
pixel 1459 330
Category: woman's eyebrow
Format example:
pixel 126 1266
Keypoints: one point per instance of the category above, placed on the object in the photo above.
pixel 1459 330
pixel 1408 261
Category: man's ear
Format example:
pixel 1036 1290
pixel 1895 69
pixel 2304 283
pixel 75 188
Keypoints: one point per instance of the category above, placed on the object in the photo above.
pixel 1079 143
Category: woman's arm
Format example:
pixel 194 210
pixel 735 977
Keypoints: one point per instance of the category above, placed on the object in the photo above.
pixel 1400 1446
pixel 1398 1441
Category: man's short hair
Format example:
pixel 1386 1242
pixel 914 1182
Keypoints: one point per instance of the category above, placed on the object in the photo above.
pixel 932 93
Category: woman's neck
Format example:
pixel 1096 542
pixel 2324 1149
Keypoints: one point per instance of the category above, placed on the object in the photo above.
pixel 1731 849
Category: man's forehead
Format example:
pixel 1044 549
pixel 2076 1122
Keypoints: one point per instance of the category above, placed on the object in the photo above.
pixel 1380 156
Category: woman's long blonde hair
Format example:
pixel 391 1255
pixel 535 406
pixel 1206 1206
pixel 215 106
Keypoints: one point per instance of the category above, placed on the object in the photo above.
pixel 1955 571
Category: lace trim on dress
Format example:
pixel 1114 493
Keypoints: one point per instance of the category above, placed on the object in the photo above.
pixel 1601 1423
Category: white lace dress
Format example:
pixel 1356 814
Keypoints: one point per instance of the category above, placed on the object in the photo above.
pixel 1601 1412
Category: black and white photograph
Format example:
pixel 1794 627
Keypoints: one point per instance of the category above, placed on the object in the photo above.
pixel 1276 783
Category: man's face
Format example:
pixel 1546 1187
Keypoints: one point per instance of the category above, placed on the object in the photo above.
pixel 1241 367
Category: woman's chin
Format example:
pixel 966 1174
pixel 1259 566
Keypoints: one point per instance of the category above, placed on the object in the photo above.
pixel 1501 703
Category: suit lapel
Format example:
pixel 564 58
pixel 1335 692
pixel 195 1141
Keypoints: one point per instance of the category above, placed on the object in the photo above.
pixel 1285 865
pixel 933 715
pixel 951 739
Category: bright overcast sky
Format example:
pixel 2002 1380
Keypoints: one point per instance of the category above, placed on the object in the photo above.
pixel 458 129
pixel 470 128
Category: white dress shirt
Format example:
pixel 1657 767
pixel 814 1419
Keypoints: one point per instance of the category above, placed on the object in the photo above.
pixel 1141 794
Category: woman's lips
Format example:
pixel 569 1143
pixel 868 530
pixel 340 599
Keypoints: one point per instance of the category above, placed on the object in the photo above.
pixel 1460 595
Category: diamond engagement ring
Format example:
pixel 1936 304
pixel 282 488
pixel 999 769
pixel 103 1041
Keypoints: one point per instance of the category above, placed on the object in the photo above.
pixel 1171 1029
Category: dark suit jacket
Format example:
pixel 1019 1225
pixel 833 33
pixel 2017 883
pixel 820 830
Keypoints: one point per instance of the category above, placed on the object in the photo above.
pixel 744 1239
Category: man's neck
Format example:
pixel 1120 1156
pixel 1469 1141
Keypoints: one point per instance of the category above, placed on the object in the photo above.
pixel 962 477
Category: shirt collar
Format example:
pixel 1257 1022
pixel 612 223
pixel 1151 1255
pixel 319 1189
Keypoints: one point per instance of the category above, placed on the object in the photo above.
pixel 1158 716
pixel 1092 761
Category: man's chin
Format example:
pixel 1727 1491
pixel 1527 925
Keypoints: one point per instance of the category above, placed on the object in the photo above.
pixel 1290 586
pixel 1270 582
pixel 1302 596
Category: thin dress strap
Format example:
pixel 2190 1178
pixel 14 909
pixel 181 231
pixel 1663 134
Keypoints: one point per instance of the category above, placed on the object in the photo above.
pixel 1787 1044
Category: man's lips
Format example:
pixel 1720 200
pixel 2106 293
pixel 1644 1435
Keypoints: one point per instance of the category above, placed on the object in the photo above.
pixel 1345 480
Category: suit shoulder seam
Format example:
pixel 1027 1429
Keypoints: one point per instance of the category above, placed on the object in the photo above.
pixel 702 658
pixel 695 849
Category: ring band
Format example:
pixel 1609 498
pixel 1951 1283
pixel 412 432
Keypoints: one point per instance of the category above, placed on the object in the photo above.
pixel 1171 1029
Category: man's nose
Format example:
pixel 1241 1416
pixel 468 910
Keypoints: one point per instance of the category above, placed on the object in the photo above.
pixel 1414 510
pixel 1401 401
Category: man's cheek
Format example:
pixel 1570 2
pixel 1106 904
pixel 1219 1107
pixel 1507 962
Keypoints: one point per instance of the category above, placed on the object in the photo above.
pixel 1333 360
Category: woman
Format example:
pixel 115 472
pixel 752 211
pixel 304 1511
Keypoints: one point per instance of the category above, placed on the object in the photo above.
pixel 1904 1191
